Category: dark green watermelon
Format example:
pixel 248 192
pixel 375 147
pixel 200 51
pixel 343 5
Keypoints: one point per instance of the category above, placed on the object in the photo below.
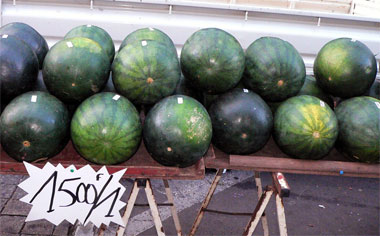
pixel 241 122
pixel 106 129
pixel 75 69
pixel 374 90
pixel 345 68
pixel 145 72
pixel 184 88
pixel 109 85
pixel 97 34
pixel 177 131
pixel 208 99
pixel 310 87
pixel 305 127
pixel 30 36
pixel 34 125
pixel 149 34
pixel 359 128
pixel 39 85
pixel 19 68
pixel 212 60
pixel 274 69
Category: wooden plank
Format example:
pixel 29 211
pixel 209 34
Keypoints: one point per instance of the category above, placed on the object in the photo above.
pixel 141 165
pixel 271 159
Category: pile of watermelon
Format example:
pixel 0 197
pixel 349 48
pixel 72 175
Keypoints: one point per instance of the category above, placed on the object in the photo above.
pixel 213 92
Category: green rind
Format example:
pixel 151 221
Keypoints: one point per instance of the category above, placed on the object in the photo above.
pixel 43 123
pixel 241 122
pixel 310 87
pixel 295 122
pixel 74 73
pixel 149 34
pixel 139 61
pixel 177 131
pixel 345 68
pixel 274 69
pixel 359 128
pixel 106 129
pixel 184 88
pixel 97 34
pixel 18 68
pixel 374 90
pixel 30 36
pixel 212 60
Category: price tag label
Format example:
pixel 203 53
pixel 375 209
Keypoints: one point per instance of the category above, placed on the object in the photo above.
pixel 116 97
pixel 322 103
pixel 180 100
pixel 71 194
pixel 144 43
pixel 245 90
pixel 377 104
pixel 69 44
pixel 4 36
pixel 33 98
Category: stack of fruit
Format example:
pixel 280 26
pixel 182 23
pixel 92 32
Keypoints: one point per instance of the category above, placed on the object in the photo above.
pixel 248 95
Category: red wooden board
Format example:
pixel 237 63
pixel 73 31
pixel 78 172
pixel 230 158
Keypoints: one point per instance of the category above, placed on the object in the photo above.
pixel 271 159
pixel 141 165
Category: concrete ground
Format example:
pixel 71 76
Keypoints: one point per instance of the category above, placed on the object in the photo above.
pixel 317 205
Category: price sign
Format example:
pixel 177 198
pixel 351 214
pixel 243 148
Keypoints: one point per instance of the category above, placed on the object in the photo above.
pixel 71 194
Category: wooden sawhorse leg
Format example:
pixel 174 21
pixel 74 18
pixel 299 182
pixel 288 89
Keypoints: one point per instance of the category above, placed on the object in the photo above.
pixel 209 195
pixel 139 183
pixel 280 189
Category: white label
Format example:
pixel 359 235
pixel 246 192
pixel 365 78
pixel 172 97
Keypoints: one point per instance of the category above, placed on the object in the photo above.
pixel 144 43
pixel 353 40
pixel 180 100
pixel 34 98
pixel 116 97
pixel 151 29
pixel 377 104
pixel 4 36
pixel 57 193
pixel 322 103
pixel 70 44
pixel 89 26
pixel 245 90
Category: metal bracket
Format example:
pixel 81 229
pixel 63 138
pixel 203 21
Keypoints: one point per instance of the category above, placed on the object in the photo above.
pixel 246 16
pixel 170 9
pixel 319 21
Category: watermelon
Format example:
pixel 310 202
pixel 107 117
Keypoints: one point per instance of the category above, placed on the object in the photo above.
pixel 39 85
pixel 310 87
pixel 177 131
pixel 184 88
pixel 305 127
pixel 212 60
pixel 145 71
pixel 274 69
pixel 97 34
pixel 149 34
pixel 106 129
pixel 374 90
pixel 75 69
pixel 345 68
pixel 359 128
pixel 241 122
pixel 35 125
pixel 19 68
pixel 30 36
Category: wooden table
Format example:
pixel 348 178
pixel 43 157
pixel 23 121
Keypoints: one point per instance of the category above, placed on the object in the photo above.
pixel 141 167
pixel 271 159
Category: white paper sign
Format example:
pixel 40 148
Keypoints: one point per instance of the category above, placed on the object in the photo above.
pixel 59 193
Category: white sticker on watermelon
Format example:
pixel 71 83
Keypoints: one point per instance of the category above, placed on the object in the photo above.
pixel 353 40
pixel 180 100
pixel 245 90
pixel 69 44
pixel 5 36
pixel 377 104
pixel 322 103
pixel 151 29
pixel 89 26
pixel 144 43
pixel 116 97
pixel 34 98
